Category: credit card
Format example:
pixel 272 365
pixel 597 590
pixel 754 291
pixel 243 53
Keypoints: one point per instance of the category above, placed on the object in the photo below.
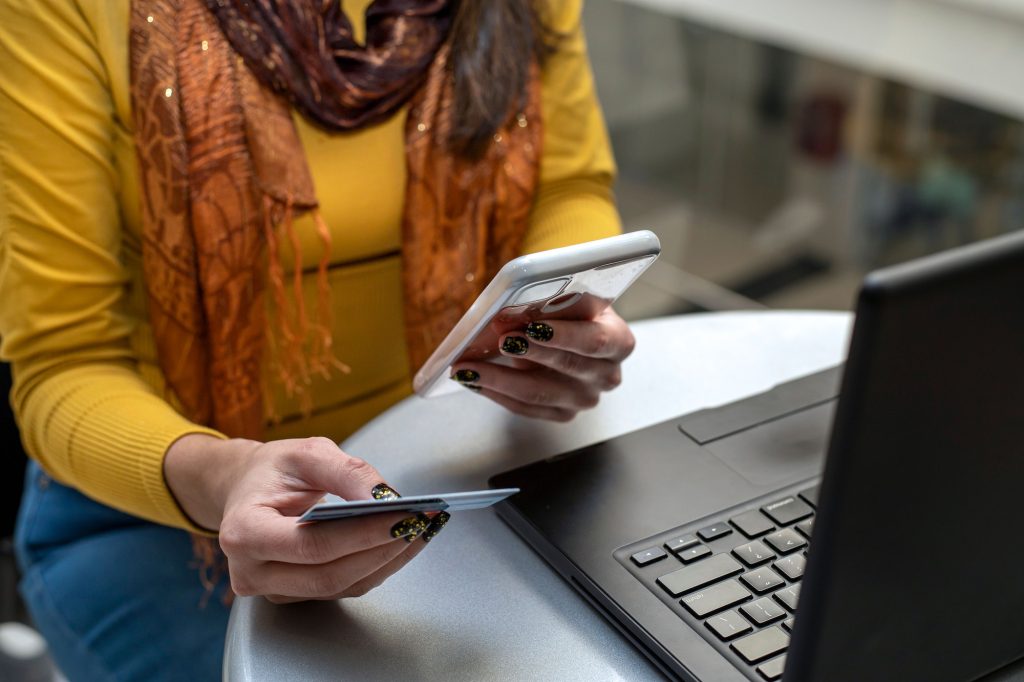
pixel 337 508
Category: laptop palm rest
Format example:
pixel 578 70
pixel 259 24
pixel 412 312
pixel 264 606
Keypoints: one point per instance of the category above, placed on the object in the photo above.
pixel 714 423
pixel 644 482
pixel 793 420
pixel 780 451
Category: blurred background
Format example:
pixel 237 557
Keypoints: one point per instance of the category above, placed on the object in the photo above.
pixel 781 150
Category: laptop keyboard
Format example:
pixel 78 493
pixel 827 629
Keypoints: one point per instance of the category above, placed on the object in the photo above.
pixel 735 579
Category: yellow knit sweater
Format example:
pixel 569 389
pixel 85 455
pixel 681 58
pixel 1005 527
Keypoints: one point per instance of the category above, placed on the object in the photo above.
pixel 88 392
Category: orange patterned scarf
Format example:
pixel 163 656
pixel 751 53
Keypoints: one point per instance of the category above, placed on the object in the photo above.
pixel 222 175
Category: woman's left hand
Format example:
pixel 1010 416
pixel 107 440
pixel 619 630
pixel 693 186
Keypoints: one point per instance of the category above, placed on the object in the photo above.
pixel 563 366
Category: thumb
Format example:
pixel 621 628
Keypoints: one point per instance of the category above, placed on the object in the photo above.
pixel 322 465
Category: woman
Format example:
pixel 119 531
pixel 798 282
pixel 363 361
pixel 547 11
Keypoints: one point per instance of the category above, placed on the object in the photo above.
pixel 183 310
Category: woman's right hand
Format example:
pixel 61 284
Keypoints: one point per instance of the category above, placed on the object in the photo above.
pixel 251 492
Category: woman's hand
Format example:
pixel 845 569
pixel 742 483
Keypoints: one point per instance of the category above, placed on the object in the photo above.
pixel 252 493
pixel 565 365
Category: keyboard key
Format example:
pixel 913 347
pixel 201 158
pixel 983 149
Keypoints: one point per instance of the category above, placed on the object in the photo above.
pixel 694 553
pixel 752 523
pixel 772 670
pixel 786 540
pixel 791 566
pixel 762 611
pixel 805 527
pixel 810 495
pixel 728 625
pixel 787 510
pixel 754 553
pixel 648 556
pixel 788 597
pixel 715 598
pixel 762 580
pixel 761 645
pixel 714 531
pixel 680 543
pixel 689 578
pixel 788 624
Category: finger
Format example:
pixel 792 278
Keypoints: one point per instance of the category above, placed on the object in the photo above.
pixel 607 336
pixel 319 464
pixel 540 386
pixel 555 414
pixel 317 581
pixel 377 578
pixel 373 580
pixel 605 374
pixel 265 535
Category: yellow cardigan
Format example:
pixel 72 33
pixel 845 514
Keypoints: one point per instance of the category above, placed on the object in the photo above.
pixel 88 392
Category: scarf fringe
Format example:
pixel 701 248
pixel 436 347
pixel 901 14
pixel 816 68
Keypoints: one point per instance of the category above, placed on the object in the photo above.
pixel 212 566
pixel 322 359
pixel 298 346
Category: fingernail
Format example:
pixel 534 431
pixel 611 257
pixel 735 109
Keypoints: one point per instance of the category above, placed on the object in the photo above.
pixel 382 491
pixel 465 376
pixel 410 528
pixel 435 526
pixel 540 331
pixel 472 387
pixel 515 345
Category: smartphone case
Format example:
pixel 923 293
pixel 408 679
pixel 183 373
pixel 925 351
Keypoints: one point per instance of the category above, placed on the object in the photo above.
pixel 571 283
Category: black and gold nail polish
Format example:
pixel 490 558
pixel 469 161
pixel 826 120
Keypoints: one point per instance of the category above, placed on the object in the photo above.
pixel 515 345
pixel 466 376
pixel 435 526
pixel 410 528
pixel 540 331
pixel 473 387
pixel 382 491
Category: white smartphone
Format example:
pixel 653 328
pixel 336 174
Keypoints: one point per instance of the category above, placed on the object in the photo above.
pixel 571 283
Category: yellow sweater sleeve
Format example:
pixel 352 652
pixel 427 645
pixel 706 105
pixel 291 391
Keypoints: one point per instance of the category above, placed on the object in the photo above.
pixel 574 200
pixel 85 413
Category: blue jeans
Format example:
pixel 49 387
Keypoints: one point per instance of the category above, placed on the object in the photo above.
pixel 117 597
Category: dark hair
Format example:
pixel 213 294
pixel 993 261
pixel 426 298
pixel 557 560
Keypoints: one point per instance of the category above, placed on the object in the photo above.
pixel 493 44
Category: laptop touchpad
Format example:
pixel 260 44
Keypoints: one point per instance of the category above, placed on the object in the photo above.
pixel 786 449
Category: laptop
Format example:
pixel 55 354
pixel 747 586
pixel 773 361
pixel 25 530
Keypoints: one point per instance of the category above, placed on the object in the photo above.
pixel 862 523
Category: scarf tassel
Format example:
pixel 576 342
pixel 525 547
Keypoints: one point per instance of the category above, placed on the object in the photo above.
pixel 299 346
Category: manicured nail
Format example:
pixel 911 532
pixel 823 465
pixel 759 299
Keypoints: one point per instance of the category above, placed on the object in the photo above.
pixel 473 387
pixel 435 526
pixel 382 491
pixel 465 376
pixel 540 331
pixel 515 345
pixel 410 528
